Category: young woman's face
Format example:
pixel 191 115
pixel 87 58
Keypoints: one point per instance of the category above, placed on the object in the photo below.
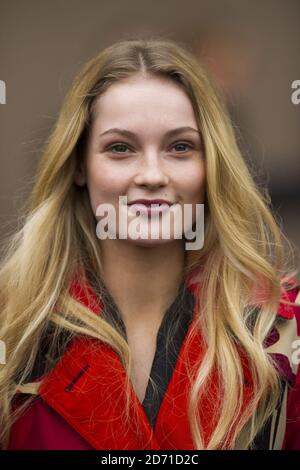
pixel 143 159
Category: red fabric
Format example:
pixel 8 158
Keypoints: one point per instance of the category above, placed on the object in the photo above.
pixel 292 435
pixel 81 403
pixel 42 428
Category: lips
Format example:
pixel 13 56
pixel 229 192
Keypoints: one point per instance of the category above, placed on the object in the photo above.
pixel 148 202
pixel 149 207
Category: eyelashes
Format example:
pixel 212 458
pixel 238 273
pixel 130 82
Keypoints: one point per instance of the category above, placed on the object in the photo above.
pixel 115 146
pixel 122 144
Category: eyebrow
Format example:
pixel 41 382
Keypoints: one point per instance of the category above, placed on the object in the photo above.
pixel 170 133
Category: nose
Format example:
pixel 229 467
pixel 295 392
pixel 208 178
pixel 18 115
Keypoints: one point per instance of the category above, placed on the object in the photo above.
pixel 151 171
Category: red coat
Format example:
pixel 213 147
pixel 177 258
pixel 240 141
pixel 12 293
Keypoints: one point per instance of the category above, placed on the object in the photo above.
pixel 80 403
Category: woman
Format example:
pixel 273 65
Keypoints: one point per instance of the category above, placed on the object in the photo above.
pixel 138 342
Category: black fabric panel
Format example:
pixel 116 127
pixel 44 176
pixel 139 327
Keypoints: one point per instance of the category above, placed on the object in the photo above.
pixel 170 337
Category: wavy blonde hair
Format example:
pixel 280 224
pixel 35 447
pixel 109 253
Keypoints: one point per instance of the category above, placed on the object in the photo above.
pixel 243 246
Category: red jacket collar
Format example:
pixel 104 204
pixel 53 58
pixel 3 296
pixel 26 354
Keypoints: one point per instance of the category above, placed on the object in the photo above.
pixel 86 385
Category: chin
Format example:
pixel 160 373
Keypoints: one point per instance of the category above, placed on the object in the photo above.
pixel 150 242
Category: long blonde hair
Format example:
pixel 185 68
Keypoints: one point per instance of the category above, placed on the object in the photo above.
pixel 243 247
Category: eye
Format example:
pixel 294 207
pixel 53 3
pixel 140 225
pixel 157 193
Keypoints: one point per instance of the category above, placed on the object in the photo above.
pixel 182 144
pixel 121 147
pixel 118 145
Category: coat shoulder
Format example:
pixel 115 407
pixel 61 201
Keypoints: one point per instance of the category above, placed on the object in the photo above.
pixel 39 427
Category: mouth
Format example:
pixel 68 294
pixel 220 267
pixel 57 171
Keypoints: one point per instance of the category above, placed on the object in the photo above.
pixel 149 207
pixel 148 202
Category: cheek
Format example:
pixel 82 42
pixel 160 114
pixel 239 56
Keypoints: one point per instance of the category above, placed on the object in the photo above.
pixel 192 183
pixel 105 182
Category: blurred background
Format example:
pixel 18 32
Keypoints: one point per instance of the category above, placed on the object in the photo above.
pixel 251 49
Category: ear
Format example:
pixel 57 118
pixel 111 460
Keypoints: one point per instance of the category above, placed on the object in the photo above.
pixel 80 175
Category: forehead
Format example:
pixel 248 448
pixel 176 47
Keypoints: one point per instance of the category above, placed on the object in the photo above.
pixel 138 101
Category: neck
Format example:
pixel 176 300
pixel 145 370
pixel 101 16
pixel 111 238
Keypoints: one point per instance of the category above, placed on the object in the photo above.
pixel 143 281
